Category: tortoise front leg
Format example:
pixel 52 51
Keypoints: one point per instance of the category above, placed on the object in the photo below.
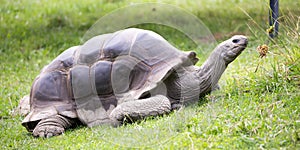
pixel 141 108
pixel 53 126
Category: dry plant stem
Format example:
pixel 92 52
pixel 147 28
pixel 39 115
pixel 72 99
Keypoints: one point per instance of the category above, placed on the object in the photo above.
pixel 257 65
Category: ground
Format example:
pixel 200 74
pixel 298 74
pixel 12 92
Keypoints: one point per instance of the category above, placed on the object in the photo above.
pixel 253 110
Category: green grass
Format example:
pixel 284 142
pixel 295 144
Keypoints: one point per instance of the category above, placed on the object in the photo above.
pixel 252 110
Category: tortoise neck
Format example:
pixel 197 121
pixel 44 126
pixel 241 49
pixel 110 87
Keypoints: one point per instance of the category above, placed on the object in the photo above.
pixel 210 72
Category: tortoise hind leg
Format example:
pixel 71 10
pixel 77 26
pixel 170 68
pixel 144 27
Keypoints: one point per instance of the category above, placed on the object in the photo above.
pixel 141 108
pixel 53 126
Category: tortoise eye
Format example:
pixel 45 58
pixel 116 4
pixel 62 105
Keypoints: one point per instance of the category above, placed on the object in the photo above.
pixel 235 40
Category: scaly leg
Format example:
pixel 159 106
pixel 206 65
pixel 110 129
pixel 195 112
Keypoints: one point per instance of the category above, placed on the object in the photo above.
pixel 141 108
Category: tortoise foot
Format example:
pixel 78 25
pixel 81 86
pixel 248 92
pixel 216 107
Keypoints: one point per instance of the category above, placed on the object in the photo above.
pixel 47 131
pixel 53 126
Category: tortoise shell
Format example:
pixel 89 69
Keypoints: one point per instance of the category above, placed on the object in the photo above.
pixel 89 81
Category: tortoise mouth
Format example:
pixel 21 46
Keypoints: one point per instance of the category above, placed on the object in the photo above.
pixel 239 47
pixel 244 45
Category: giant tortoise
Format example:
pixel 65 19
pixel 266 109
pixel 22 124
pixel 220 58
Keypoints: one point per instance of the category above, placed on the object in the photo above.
pixel 126 75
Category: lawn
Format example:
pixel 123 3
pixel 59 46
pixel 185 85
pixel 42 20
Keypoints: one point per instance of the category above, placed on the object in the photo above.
pixel 252 110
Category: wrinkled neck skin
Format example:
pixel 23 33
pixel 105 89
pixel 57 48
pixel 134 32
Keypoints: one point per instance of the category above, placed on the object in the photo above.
pixel 212 69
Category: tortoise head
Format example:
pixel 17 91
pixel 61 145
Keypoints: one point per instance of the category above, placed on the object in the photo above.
pixel 232 48
pixel 212 69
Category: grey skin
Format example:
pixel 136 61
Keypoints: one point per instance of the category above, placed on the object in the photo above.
pixel 177 89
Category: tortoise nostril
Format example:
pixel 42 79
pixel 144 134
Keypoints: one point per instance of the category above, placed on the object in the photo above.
pixel 235 40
